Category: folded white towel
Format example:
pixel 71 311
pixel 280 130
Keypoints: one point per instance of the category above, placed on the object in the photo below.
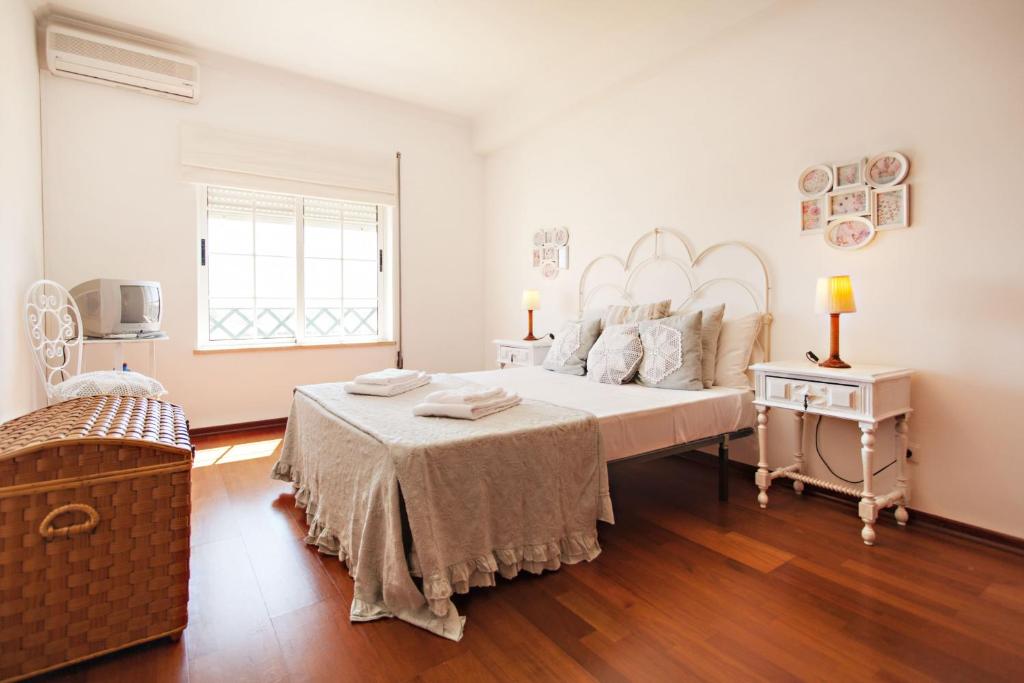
pixel 386 389
pixel 389 376
pixel 471 394
pixel 466 411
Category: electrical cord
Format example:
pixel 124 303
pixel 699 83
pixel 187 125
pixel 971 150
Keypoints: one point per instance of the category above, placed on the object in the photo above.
pixel 817 448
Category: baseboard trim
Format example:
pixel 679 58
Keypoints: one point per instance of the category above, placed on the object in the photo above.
pixel 951 526
pixel 272 423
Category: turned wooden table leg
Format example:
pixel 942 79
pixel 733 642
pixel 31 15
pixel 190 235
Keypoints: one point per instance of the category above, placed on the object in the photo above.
pixel 763 476
pixel 868 512
pixel 798 455
pixel 902 433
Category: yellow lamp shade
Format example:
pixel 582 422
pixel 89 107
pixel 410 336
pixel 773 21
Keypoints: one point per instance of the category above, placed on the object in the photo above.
pixel 835 295
pixel 531 300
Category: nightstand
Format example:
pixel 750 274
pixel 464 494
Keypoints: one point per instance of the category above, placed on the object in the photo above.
pixel 519 353
pixel 865 394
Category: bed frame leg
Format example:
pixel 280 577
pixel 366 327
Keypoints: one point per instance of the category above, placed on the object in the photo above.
pixel 723 469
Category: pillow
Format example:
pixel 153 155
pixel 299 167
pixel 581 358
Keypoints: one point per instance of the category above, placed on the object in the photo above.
pixel 109 382
pixel 711 327
pixel 616 355
pixel 569 351
pixel 618 315
pixel 672 353
pixel 735 345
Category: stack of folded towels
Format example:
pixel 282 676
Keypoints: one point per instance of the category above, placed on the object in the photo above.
pixel 390 382
pixel 467 403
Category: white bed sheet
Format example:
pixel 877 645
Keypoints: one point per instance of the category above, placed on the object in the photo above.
pixel 633 419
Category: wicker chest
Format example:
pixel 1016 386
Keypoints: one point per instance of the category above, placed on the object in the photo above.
pixel 94 530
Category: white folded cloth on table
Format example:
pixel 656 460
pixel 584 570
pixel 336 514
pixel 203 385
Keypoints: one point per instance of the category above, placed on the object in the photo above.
pixel 389 376
pixel 387 389
pixel 467 411
pixel 471 394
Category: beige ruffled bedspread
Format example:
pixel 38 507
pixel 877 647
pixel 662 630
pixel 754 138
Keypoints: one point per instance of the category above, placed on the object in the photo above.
pixel 518 490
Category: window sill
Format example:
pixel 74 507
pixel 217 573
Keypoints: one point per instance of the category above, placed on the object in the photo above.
pixel 202 350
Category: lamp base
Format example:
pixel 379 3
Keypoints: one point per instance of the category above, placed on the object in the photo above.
pixel 833 362
pixel 530 337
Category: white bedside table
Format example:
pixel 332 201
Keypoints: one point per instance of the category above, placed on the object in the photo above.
pixel 519 353
pixel 865 394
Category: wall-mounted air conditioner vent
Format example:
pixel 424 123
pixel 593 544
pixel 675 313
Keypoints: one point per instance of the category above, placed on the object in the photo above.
pixel 92 56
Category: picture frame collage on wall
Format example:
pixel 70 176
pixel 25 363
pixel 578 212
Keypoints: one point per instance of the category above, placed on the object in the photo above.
pixel 850 202
pixel 551 251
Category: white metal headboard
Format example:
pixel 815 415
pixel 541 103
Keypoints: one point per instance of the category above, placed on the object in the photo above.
pixel 759 290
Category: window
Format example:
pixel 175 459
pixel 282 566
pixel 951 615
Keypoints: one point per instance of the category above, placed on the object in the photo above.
pixel 283 269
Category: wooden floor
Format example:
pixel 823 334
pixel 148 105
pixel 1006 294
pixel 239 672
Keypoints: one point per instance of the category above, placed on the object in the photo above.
pixel 687 588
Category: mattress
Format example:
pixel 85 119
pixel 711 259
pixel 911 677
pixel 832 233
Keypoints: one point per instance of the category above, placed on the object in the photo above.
pixel 633 419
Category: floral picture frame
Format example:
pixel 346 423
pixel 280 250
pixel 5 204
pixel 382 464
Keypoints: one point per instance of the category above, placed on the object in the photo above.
pixel 886 169
pixel 816 180
pixel 848 174
pixel 890 207
pixel 812 215
pixel 849 201
pixel 849 233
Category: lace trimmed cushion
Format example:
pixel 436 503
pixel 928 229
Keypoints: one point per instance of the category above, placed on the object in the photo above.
pixel 616 355
pixel 573 342
pixel 110 383
pixel 671 353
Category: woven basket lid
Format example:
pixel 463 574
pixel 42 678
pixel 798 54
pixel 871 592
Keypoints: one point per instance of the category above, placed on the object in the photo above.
pixel 97 418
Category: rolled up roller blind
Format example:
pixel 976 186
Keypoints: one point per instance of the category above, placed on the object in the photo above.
pixel 228 158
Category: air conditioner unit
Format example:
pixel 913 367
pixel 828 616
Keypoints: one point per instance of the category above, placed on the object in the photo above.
pixel 91 56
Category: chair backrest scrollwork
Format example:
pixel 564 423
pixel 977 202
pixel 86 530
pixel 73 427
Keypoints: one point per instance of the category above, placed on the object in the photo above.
pixel 54 333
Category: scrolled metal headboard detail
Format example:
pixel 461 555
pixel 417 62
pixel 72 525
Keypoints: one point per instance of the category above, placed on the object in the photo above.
pixel 759 292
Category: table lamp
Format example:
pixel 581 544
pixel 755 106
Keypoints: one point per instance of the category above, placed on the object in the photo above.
pixel 835 296
pixel 531 302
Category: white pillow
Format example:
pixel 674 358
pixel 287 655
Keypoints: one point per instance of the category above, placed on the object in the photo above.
pixel 616 355
pixel 110 383
pixel 735 344
pixel 619 315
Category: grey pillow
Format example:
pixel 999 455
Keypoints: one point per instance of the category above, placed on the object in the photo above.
pixel 710 328
pixel 672 353
pixel 573 342
pixel 616 355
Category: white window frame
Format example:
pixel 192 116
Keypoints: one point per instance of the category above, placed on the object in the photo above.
pixel 386 285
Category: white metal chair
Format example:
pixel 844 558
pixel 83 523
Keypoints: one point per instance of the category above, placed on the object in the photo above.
pixel 55 336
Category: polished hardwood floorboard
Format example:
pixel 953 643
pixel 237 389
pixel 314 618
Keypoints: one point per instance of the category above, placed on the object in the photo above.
pixel 686 588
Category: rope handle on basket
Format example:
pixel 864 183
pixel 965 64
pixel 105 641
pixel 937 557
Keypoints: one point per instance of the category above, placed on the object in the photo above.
pixel 47 531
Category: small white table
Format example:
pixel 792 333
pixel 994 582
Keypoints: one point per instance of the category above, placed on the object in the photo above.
pixel 865 394
pixel 119 347
pixel 520 353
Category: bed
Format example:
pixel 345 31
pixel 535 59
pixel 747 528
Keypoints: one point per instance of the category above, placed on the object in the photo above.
pixel 423 508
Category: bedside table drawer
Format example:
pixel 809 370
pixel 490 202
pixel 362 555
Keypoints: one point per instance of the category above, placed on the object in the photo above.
pixel 510 355
pixel 801 394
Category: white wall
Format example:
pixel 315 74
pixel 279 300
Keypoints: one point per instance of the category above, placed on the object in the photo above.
pixel 712 143
pixel 115 207
pixel 21 237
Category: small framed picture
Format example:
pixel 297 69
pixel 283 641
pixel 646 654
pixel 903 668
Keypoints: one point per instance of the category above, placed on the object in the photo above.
pixel 549 269
pixel 537 257
pixel 850 233
pixel 853 201
pixel 812 216
pixel 563 258
pixel 890 207
pixel 550 253
pixel 549 236
pixel 886 169
pixel 815 180
pixel 561 236
pixel 849 174
pixel 538 238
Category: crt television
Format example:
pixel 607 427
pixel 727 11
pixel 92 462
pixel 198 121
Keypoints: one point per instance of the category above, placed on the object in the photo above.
pixel 119 307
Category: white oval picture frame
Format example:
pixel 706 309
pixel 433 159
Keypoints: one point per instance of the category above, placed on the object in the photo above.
pixel 539 238
pixel 549 269
pixel 843 241
pixel 561 236
pixel 892 177
pixel 816 170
